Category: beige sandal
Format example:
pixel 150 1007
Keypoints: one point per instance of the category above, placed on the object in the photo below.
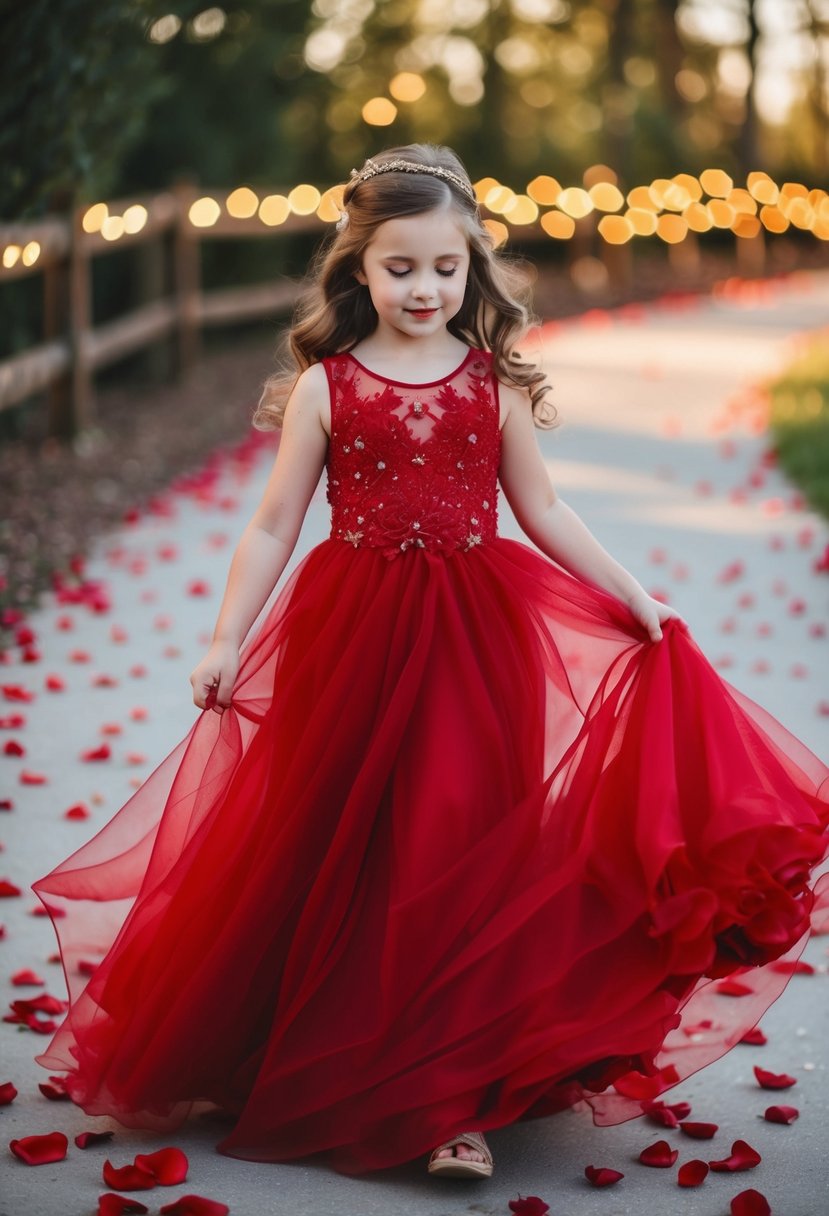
pixel 462 1167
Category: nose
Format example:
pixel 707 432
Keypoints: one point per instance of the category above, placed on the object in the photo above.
pixel 423 287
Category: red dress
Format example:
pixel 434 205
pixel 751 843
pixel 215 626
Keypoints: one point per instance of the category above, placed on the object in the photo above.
pixel 467 847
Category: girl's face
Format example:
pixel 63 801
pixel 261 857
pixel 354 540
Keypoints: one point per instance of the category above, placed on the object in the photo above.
pixel 415 269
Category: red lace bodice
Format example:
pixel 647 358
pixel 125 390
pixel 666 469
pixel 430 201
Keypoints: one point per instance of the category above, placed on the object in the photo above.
pixel 413 465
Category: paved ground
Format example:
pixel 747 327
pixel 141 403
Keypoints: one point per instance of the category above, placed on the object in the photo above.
pixel 659 454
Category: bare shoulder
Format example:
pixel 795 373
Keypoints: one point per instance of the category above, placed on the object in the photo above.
pixel 309 397
pixel 514 401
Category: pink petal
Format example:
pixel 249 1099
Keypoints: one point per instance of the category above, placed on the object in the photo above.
pixel 26 777
pixel 781 1114
pixel 26 977
pixel 750 1203
pixel 692 1173
pixel 601 1176
pixel 773 1080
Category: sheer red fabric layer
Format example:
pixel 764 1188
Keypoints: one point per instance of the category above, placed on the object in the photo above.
pixel 467 848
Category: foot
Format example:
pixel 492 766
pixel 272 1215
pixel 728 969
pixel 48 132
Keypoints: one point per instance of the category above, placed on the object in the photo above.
pixel 466 1152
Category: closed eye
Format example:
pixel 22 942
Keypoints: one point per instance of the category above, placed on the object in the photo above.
pixel 400 274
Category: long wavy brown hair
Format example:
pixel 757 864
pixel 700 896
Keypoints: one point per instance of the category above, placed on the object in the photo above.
pixel 335 312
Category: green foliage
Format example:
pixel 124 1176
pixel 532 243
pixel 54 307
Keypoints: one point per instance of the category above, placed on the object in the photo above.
pixel 800 424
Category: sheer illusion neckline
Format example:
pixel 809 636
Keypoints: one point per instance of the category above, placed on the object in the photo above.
pixel 421 384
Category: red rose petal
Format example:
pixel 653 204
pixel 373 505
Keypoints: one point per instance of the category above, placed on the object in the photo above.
pixel 168 1165
pixel 781 1114
pixel 26 977
pixel 732 987
pixel 104 680
pixel 78 811
pixel 12 748
pixel 638 1085
pixel 111 1204
pixel 139 714
pixel 112 728
pixel 8 889
pixel 773 1080
pixel 16 692
pixel 198 1205
pixel 700 1131
pixel 54 683
pixel 12 722
pixel 530 1206
pixel 128 1177
pixel 25 777
pixel 40 1150
pixel 743 1157
pixel 8 1093
pixel 601 1176
pixel 754 1037
pixel 792 967
pixel 692 1173
pixel 198 586
pixel 750 1203
pixel 54 1089
pixel 659 1155
pixel 84 1139
pixel 137 671
pixel 97 753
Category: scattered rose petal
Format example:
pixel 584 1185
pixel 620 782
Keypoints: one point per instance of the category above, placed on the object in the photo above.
pixel 198 586
pixel 104 681
pixel 781 1114
pixel 112 728
pixel 85 1139
pixel 743 1157
pixel 8 1093
pixel 80 656
pixel 699 1131
pixel 666 1115
pixel 16 692
pixel 118 634
pixel 54 683
pixel 601 1176
pixel 659 1155
pixel 530 1206
pixel 128 1177
pixel 168 1165
pixel 111 1204
pixel 138 713
pixel 638 1085
pixel 198 1205
pixel 78 811
pixel 12 748
pixel 732 987
pixel 750 1203
pixel 97 753
pixel 754 1037
pixel 27 777
pixel 12 722
pixel 136 758
pixel 692 1173
pixel 26 976
pixel 792 967
pixel 773 1080
pixel 40 1150
pixel 138 671
pixel 8 890
pixel 54 1089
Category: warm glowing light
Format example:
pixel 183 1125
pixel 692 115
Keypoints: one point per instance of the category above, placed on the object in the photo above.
pixel 606 197
pixel 697 218
pixel 641 198
pixel 274 210
pixel 499 198
pixel 30 253
pixel 641 221
pixel 616 229
pixel 716 182
pixel 135 218
pixel 407 86
pixel 741 201
pixel 671 228
pixel 690 183
pixel 773 219
pixel 721 213
pixel 379 112
pixel 761 187
pixel 669 195
pixel 204 212
pixel 793 190
pixel 208 24
pixel 556 224
pixel 746 225
pixel 304 199
pixel 242 203
pixel 498 231
pixel 112 228
pixel 94 216
pixel 11 256
pixel 575 202
pixel 483 187
pixel 799 212
pixel 522 210
pixel 599 173
pixel 164 30
pixel 544 190
pixel 330 207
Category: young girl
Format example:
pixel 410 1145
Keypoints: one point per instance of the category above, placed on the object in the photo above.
pixel 473 827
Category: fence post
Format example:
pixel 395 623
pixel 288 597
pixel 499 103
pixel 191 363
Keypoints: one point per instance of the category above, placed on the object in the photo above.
pixel 82 390
pixel 56 322
pixel 186 279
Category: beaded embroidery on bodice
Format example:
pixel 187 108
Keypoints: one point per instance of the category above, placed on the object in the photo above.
pixel 413 465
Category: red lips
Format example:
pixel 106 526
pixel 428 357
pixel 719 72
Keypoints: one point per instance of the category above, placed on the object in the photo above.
pixel 422 312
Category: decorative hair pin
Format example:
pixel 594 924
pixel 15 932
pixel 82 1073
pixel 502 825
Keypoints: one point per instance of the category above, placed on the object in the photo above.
pixel 372 168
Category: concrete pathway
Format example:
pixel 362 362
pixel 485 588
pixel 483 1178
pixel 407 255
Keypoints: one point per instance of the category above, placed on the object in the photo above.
pixel 661 455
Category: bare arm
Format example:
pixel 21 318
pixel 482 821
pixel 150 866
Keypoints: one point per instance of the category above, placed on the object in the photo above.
pixel 268 541
pixel 554 526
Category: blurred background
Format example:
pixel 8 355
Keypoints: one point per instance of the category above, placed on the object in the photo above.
pixel 170 167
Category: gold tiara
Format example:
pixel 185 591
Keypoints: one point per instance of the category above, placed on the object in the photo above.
pixel 372 168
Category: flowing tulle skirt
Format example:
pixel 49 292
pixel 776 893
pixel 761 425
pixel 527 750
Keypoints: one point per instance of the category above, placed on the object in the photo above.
pixel 467 848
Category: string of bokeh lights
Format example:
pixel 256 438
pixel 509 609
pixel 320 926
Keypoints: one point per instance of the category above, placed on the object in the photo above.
pixel 671 209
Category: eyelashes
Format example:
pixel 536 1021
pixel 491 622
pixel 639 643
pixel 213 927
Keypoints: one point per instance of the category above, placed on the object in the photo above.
pixel 401 274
